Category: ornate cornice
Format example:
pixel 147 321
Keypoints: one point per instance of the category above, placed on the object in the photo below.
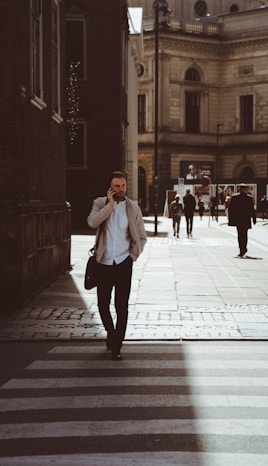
pixel 206 45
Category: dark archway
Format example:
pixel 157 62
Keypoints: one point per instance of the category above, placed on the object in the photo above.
pixel 247 174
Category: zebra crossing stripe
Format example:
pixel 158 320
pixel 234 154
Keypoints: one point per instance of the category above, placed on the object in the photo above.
pixel 124 401
pixel 256 427
pixel 214 413
pixel 78 382
pixel 151 363
pixel 171 348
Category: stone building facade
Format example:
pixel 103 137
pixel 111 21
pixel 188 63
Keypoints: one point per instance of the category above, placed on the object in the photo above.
pixel 213 95
pixel 34 215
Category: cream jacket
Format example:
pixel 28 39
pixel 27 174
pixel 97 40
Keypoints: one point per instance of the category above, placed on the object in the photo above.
pixel 98 216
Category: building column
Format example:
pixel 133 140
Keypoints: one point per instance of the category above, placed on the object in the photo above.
pixel 164 91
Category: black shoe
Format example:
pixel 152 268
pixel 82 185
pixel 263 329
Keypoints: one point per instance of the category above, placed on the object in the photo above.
pixel 109 341
pixel 116 357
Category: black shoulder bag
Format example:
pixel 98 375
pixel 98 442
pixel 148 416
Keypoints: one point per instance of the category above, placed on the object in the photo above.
pixel 91 275
pixel 90 280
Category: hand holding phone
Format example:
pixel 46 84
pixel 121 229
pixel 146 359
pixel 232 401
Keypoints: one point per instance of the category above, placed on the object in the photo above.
pixel 111 195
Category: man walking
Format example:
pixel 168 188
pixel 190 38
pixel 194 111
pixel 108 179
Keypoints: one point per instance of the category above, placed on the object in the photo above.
pixel 120 239
pixel 189 208
pixel 240 212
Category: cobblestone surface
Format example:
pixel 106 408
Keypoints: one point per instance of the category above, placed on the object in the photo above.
pixel 182 289
pixel 192 323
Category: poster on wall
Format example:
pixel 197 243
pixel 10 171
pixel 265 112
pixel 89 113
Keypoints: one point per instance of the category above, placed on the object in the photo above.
pixel 195 170
pixel 170 196
pixel 252 190
pixel 203 192
pixel 200 190
pixel 225 191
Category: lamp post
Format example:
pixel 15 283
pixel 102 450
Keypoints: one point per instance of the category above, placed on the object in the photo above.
pixel 160 7
pixel 219 125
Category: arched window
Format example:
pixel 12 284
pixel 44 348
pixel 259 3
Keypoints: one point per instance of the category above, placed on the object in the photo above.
pixel 200 8
pixel 192 75
pixel 234 7
pixel 247 174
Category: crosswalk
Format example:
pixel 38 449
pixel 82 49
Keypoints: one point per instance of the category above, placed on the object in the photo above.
pixel 179 403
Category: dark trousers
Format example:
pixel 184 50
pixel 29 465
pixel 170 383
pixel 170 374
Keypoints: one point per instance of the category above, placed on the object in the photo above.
pixel 176 224
pixel 242 236
pixel 189 223
pixel 119 277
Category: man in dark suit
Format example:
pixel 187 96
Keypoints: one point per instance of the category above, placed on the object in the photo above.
pixel 189 207
pixel 240 212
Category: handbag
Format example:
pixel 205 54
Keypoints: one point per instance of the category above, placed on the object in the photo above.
pixel 90 280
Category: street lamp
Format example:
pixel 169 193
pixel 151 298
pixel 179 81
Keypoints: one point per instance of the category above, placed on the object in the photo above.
pixel 160 7
pixel 219 125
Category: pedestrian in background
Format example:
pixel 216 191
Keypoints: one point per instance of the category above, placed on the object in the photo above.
pixel 201 207
pixel 226 204
pixel 240 212
pixel 212 206
pixel 176 210
pixel 189 203
pixel 264 207
pixel 120 239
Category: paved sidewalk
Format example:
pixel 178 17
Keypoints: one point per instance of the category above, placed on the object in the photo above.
pixel 182 289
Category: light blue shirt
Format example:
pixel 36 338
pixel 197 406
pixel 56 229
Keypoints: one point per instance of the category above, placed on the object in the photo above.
pixel 117 236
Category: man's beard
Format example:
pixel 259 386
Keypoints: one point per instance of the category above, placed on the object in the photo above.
pixel 119 197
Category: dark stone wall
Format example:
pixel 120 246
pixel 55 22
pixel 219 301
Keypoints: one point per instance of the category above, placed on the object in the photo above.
pixel 35 223
pixel 37 241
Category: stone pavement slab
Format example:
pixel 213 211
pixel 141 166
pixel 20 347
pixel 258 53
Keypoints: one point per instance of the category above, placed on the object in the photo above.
pixel 185 288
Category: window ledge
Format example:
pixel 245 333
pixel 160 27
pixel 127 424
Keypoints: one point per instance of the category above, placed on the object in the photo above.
pixel 39 103
pixel 56 117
